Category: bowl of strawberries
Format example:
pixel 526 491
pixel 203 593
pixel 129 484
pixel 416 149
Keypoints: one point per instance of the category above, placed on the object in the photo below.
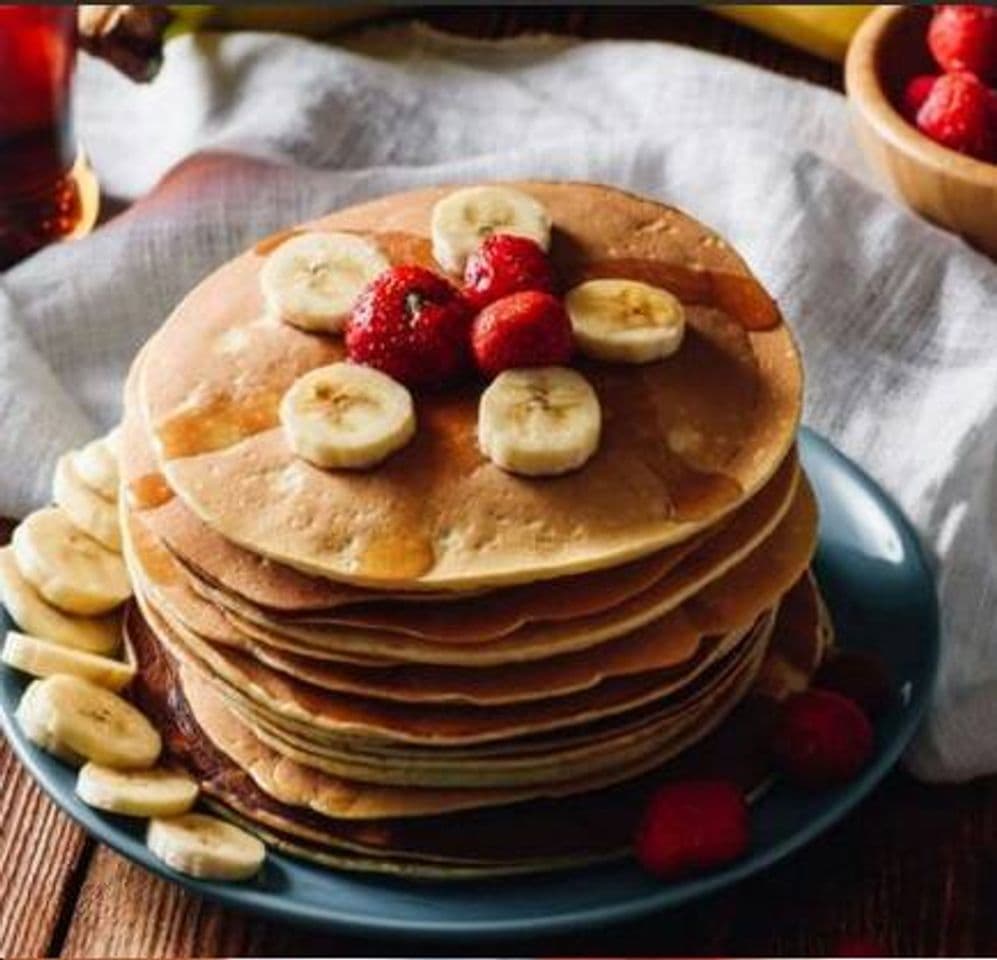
pixel 922 82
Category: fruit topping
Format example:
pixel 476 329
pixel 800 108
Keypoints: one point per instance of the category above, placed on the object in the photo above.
pixel 464 218
pixel 505 264
pixel 624 321
pixel 413 325
pixel 539 421
pixel 692 825
pixel 529 329
pixel 312 279
pixel 347 416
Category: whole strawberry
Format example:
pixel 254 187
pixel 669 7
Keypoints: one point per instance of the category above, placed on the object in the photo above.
pixel 821 739
pixel 963 37
pixel 956 115
pixel 692 825
pixel 529 329
pixel 915 93
pixel 505 264
pixel 411 324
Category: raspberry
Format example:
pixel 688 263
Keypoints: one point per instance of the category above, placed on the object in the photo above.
pixel 861 677
pixel 956 114
pixel 915 94
pixel 411 324
pixel 528 329
pixel 692 825
pixel 505 264
pixel 859 947
pixel 821 739
pixel 964 37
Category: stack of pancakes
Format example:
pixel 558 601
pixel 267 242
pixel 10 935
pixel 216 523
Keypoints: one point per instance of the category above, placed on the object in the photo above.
pixel 436 668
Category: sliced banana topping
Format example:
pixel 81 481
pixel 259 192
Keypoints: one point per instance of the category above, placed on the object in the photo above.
pixel 67 567
pixel 78 721
pixel 136 793
pixel 464 218
pixel 539 421
pixel 45 658
pixel 312 279
pixel 96 464
pixel 624 321
pixel 347 416
pixel 87 509
pixel 203 846
pixel 32 613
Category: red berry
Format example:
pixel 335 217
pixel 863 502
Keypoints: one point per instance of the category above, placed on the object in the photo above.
pixel 413 325
pixel 505 264
pixel 528 329
pixel 822 738
pixel 964 37
pixel 915 94
pixel 692 825
pixel 860 676
pixel 956 114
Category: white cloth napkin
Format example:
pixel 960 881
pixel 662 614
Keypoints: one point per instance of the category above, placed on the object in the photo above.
pixel 253 132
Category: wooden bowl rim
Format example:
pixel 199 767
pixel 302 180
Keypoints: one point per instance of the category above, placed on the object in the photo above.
pixel 865 90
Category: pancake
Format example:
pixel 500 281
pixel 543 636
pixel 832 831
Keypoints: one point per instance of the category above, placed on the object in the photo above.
pixel 536 836
pixel 658 612
pixel 686 440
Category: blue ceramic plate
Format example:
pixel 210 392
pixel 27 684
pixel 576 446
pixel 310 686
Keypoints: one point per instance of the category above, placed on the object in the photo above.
pixel 882 597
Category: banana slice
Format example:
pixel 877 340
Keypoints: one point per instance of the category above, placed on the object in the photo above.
pixel 464 218
pixel 32 613
pixel 203 846
pixel 78 721
pixel 68 568
pixel 624 321
pixel 539 421
pixel 96 465
pixel 87 509
pixel 311 280
pixel 44 658
pixel 347 415
pixel 136 793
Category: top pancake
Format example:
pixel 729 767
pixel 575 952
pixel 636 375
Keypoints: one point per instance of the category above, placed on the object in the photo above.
pixel 685 440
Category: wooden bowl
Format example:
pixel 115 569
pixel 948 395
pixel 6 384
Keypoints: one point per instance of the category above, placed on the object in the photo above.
pixel 950 189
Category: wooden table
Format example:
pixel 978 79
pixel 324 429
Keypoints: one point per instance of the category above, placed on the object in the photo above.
pixel 914 868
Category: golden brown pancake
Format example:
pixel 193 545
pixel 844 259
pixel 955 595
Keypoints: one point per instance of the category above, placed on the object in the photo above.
pixel 685 440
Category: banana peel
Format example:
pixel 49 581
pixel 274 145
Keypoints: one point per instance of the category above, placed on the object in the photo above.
pixel 823 30
pixel 307 20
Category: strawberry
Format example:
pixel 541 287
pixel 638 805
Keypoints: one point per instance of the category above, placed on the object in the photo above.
pixel 821 738
pixel 963 37
pixel 692 825
pixel 956 115
pixel 915 93
pixel 411 324
pixel 861 677
pixel 505 264
pixel 529 329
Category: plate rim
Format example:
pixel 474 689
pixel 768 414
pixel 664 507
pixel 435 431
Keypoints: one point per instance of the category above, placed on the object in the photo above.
pixel 108 829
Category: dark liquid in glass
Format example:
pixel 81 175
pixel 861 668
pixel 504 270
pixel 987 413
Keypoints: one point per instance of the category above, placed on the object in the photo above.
pixel 40 195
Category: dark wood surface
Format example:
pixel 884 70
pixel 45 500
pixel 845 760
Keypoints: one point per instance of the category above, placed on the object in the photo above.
pixel 914 869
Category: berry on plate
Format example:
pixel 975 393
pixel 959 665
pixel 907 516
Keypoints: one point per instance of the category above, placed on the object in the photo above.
pixel 692 825
pixel 411 324
pixel 861 677
pixel 964 37
pixel 915 93
pixel 505 264
pixel 821 739
pixel 529 329
pixel 956 114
